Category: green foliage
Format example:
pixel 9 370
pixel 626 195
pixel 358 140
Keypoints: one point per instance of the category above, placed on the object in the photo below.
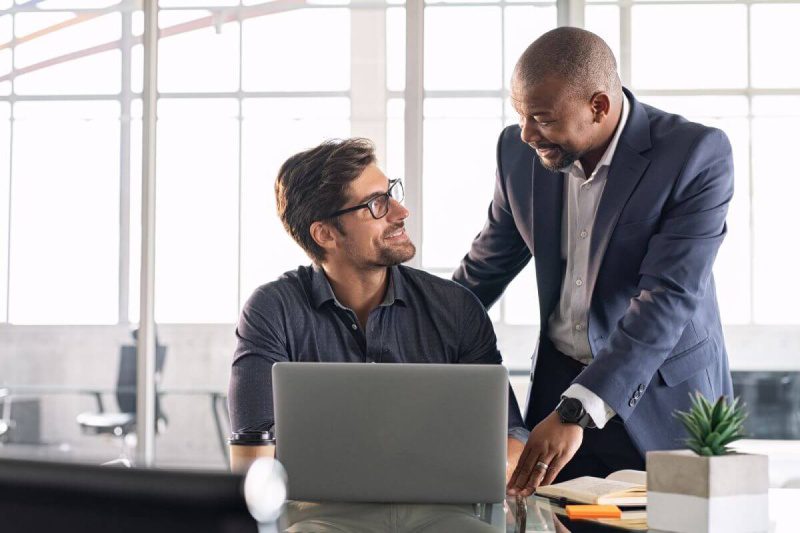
pixel 712 427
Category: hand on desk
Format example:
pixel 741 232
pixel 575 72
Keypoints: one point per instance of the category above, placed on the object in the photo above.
pixel 515 448
pixel 551 442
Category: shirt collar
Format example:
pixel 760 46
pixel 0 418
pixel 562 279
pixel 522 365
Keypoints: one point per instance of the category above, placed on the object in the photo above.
pixel 608 155
pixel 322 292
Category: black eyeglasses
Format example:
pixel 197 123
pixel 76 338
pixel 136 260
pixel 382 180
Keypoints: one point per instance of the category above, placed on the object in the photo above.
pixel 378 205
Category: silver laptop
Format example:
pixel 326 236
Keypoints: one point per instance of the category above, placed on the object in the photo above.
pixel 404 433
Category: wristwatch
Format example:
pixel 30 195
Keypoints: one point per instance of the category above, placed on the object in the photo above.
pixel 571 411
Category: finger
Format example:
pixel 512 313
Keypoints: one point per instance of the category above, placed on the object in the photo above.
pixel 525 471
pixel 540 472
pixel 535 473
pixel 558 463
pixel 518 470
pixel 531 483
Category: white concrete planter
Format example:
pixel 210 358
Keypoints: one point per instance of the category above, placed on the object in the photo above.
pixel 688 493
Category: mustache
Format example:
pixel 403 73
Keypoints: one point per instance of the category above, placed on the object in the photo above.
pixel 393 229
pixel 546 147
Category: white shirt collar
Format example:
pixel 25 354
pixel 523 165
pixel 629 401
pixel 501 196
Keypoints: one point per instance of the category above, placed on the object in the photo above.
pixel 577 169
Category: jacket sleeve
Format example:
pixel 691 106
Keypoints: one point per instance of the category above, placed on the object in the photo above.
pixel 498 252
pixel 674 276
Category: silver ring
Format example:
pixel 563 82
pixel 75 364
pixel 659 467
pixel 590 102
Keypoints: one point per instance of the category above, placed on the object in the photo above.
pixel 542 466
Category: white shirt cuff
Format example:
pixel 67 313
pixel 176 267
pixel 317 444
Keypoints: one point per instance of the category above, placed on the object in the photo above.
pixel 594 405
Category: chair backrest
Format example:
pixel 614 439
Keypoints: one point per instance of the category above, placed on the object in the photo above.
pixel 126 378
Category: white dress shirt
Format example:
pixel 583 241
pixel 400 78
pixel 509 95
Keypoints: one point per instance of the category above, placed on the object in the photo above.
pixel 567 327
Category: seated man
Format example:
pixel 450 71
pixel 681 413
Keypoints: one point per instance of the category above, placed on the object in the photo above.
pixel 355 303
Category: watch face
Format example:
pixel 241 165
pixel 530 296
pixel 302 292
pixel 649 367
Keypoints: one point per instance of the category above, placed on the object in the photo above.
pixel 571 409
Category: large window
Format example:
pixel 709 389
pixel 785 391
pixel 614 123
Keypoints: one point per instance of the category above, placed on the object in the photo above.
pixel 60 137
pixel 727 70
pixel 243 85
pixel 466 82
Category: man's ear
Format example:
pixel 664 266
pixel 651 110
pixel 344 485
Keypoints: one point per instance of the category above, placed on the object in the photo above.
pixel 324 235
pixel 601 106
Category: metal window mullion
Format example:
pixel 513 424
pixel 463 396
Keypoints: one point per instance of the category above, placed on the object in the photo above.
pixel 463 93
pixel 413 119
pixel 368 76
pixel 145 349
pixel 625 40
pixel 13 98
pixel 255 94
pixel 12 111
pixel 125 171
pixel 497 3
pixel 570 13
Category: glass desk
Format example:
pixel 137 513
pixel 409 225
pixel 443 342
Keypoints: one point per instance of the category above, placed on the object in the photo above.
pixel 536 515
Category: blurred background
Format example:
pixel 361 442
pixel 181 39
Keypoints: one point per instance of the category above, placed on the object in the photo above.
pixel 244 84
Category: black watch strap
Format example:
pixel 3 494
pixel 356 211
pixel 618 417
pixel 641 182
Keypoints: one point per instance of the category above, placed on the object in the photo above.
pixel 571 411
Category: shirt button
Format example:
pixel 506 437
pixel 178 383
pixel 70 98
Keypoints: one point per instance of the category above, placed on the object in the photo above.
pixel 584 233
pixel 579 282
pixel 587 185
pixel 354 327
pixel 579 327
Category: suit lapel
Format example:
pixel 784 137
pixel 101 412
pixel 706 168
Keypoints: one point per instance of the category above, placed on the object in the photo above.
pixel 627 168
pixel 548 202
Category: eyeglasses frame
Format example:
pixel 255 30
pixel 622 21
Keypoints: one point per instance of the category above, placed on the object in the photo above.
pixel 366 205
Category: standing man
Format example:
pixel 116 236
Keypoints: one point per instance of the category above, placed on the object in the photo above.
pixel 356 303
pixel 622 206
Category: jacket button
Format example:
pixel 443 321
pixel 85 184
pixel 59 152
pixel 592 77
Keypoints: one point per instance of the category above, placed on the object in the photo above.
pixel 632 402
pixel 641 388
pixel 637 395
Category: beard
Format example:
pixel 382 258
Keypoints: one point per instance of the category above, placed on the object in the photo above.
pixel 394 255
pixel 562 160
pixel 383 255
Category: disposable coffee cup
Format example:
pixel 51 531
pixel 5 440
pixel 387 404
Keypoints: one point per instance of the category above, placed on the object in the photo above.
pixel 247 446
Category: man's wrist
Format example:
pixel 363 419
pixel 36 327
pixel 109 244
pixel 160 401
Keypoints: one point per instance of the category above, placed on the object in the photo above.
pixel 571 411
pixel 519 433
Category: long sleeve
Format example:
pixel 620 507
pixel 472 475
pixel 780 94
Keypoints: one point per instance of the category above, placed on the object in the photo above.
pixel 498 252
pixel 260 344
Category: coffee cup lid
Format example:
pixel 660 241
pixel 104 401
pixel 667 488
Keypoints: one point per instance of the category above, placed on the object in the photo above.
pixel 251 437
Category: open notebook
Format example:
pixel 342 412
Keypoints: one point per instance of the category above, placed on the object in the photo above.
pixel 622 488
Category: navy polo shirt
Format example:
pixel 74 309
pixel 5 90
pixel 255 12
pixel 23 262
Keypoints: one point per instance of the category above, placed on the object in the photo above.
pixel 422 319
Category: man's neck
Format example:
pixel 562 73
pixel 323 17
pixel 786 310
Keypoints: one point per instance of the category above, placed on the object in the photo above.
pixel 590 159
pixel 361 290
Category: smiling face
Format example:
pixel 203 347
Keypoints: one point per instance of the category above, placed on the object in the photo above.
pixel 556 123
pixel 367 242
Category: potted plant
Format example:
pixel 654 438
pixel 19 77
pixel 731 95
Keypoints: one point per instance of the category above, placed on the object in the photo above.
pixel 708 488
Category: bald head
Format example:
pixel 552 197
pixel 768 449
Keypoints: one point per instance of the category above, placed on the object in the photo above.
pixel 578 58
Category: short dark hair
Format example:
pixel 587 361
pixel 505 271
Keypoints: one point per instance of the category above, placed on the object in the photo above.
pixel 314 183
pixel 578 57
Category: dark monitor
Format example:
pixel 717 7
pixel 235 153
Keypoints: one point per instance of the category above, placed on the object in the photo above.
pixel 67 497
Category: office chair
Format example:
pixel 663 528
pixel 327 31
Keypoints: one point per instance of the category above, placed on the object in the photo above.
pixel 122 424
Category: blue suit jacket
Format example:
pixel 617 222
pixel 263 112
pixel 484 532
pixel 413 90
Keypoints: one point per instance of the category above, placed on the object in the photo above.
pixel 654 326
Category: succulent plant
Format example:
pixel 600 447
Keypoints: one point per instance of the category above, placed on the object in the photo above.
pixel 712 427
